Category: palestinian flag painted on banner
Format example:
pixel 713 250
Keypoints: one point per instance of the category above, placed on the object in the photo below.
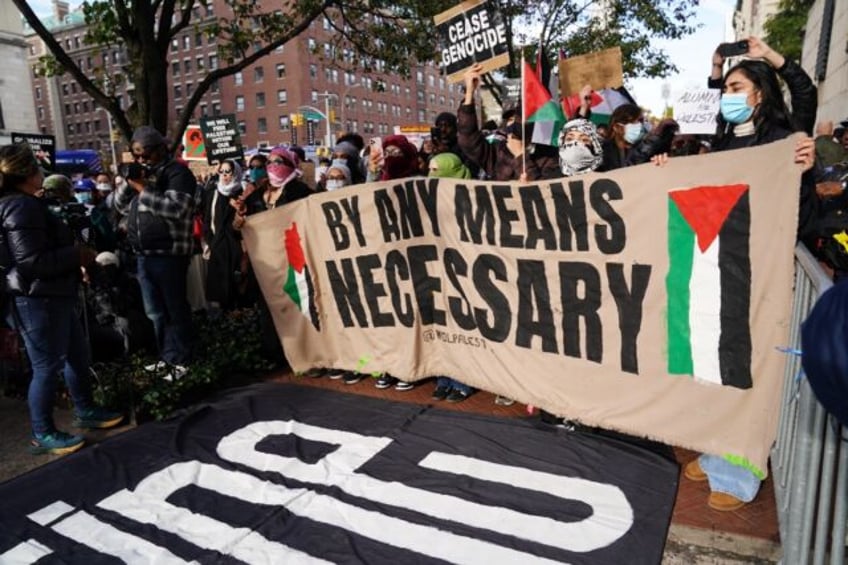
pixel 298 285
pixel 540 109
pixel 709 284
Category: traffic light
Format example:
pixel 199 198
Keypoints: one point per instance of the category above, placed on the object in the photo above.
pixel 296 119
pixel 332 115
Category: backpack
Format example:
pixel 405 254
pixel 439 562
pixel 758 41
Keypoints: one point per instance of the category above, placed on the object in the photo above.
pixel 824 345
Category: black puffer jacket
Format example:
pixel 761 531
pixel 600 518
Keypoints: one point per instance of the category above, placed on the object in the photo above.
pixel 37 250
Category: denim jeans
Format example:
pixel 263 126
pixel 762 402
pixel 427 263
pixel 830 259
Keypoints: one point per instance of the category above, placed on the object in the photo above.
pixel 728 478
pixel 448 382
pixel 54 340
pixel 163 288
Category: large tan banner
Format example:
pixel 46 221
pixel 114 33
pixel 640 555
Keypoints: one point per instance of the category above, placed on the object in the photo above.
pixel 647 300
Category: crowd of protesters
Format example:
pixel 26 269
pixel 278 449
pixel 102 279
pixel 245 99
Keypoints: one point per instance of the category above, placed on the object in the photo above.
pixel 139 231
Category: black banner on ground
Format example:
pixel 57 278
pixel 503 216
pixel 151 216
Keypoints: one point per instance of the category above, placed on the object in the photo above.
pixel 282 474
pixel 44 147
pixel 221 137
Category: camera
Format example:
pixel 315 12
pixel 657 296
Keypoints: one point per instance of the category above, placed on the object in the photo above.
pixel 132 171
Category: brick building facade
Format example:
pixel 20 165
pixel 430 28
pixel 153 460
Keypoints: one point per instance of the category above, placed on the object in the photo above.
pixel 265 97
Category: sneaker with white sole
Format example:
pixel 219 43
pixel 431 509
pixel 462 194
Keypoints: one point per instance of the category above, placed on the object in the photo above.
pixel 156 367
pixel 176 373
pixel 385 381
pixel 336 374
pixel 353 377
pixel 403 386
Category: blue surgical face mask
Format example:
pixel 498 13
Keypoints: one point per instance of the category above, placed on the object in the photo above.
pixel 633 133
pixel 257 174
pixel 83 197
pixel 735 108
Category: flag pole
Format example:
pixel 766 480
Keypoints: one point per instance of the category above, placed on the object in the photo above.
pixel 523 117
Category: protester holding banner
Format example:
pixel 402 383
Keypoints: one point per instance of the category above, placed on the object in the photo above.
pixel 752 113
pixel 630 143
pixel 580 147
pixel 159 203
pixel 42 267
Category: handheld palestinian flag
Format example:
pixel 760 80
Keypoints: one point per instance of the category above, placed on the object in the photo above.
pixel 540 109
pixel 709 284
pixel 298 285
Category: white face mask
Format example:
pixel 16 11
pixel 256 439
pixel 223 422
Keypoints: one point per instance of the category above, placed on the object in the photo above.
pixel 575 157
pixel 104 187
pixel 334 184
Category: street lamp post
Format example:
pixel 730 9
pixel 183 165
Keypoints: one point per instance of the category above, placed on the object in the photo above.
pixel 326 96
pixel 111 142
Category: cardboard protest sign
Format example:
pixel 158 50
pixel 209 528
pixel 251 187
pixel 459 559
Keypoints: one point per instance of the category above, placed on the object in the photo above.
pixel 221 137
pixel 599 70
pixel 44 147
pixel 471 32
pixel 194 148
pixel 647 300
pixel 696 110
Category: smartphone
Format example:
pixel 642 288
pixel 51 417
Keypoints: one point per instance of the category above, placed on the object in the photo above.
pixel 435 134
pixel 733 49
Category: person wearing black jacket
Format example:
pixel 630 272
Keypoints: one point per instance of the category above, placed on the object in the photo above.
pixel 42 266
pixel 752 113
pixel 158 200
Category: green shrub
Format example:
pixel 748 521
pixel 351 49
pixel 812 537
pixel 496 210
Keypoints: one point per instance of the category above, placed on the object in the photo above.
pixel 227 353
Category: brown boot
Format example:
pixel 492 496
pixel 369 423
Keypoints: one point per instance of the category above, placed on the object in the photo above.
pixel 724 502
pixel 693 472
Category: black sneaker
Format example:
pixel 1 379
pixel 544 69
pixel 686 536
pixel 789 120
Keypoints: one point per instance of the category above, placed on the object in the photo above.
pixel 385 381
pixel 352 378
pixel 336 374
pixel 457 395
pixel 440 393
pixel 404 386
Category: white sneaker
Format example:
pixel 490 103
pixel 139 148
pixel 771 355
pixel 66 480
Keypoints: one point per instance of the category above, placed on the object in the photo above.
pixel 156 367
pixel 177 372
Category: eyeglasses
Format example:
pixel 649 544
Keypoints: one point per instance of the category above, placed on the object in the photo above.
pixel 226 171
pixel 392 151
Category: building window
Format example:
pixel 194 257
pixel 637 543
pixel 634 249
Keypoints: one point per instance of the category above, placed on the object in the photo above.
pixel 71 129
pixel 96 125
pixel 314 97
pixel 281 70
pixel 186 43
pixel 198 39
pixel 175 45
pixel 261 125
pixel 258 74
pixel 313 71
pixel 311 45
pixel 188 90
pixel 40 112
pixel 242 127
pixel 213 62
pixel 175 69
pixel 260 99
pixel 214 87
pixel 216 108
pixel 284 123
pixel 178 91
pixel 76 108
pixel 38 93
pixel 187 66
pixel 85 105
pixel 73 88
pixel 282 97
pixel 238 78
pixel 203 110
pixel 239 103
pixel 201 63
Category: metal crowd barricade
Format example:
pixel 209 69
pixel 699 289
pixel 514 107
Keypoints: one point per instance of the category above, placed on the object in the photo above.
pixel 810 458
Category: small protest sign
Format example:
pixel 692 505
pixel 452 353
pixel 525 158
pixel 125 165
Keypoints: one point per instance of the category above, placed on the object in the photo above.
pixel 221 137
pixel 599 70
pixel 696 110
pixel 44 147
pixel 471 32
pixel 194 149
